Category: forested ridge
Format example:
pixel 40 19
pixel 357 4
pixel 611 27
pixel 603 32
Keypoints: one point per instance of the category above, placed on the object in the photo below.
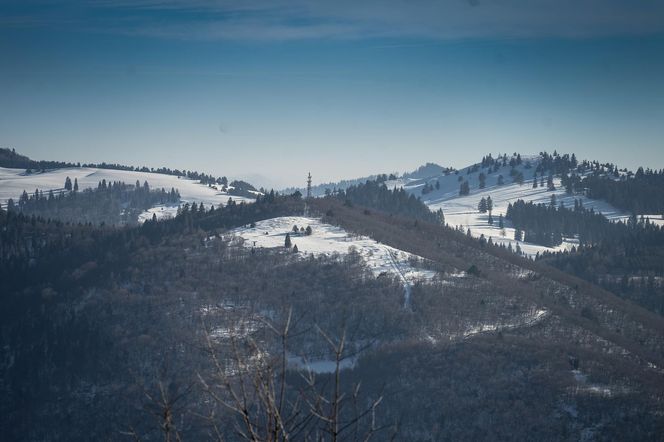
pixel 118 331
pixel 11 159
pixel 106 302
pixel 109 203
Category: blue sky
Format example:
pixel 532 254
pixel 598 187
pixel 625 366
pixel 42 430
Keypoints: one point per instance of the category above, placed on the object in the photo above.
pixel 272 90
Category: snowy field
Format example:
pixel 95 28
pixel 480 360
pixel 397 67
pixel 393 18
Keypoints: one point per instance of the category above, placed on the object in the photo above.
pixel 462 210
pixel 14 181
pixel 327 239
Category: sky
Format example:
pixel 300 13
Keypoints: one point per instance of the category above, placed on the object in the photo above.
pixel 270 90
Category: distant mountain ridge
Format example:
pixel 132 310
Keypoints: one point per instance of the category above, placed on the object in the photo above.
pixel 10 159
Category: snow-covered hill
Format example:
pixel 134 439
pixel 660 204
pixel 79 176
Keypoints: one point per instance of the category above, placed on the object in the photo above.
pixel 14 181
pixel 443 193
pixel 328 239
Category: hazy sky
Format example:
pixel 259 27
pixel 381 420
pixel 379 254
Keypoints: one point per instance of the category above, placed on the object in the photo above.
pixel 339 88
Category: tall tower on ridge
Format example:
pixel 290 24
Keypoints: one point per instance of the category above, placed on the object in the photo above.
pixel 309 186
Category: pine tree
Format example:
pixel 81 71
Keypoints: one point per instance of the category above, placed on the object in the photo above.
pixel 68 185
pixel 295 249
pixel 501 223
pixel 482 206
pixel 464 188
pixel 440 216
pixel 518 235
pixel 287 242
pixel 517 176
pixel 482 178
pixel 308 231
pixel 75 184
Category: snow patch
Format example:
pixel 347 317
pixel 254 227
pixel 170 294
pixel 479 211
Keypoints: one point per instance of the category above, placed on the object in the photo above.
pixel 14 181
pixel 327 239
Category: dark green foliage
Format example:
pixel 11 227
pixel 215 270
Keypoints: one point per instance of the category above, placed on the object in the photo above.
pixel 110 203
pixel 396 201
pixel 642 193
pixel 464 188
pixel 546 224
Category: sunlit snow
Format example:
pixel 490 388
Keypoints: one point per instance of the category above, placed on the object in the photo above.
pixel 462 210
pixel 327 239
pixel 14 181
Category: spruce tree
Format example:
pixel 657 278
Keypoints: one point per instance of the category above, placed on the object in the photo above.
pixel 482 206
pixel 518 236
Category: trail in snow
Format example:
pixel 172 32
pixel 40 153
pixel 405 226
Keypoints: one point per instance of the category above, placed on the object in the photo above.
pixel 529 320
pixel 407 285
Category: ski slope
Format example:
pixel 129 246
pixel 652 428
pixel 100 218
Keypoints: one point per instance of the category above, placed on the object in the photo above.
pixel 327 239
pixel 14 181
pixel 462 210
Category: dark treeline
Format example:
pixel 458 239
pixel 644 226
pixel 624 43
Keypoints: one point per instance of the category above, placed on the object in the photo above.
pixel 547 225
pixel 110 203
pixel 43 249
pixel 641 193
pixel 625 258
pixel 376 195
pixel 231 215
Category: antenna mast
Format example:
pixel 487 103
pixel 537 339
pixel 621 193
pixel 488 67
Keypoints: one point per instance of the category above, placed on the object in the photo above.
pixel 309 186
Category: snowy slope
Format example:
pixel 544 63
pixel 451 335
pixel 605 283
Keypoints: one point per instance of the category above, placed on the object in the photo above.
pixel 327 239
pixel 462 210
pixel 14 181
